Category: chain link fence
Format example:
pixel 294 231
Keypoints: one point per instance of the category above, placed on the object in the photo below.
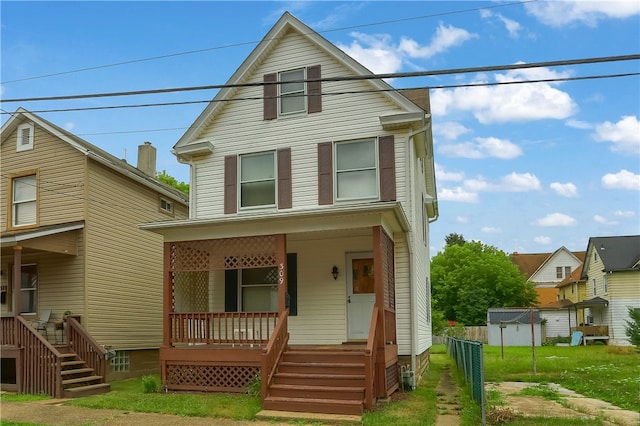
pixel 469 359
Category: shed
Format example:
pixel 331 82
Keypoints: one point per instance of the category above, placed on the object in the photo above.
pixel 512 326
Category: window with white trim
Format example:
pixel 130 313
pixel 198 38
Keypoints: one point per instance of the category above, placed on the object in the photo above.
pixel 166 206
pixel 567 271
pixel 25 137
pixel 558 271
pixel 24 203
pixel 292 92
pixel 258 180
pixel 29 289
pixel 595 288
pixel 356 169
pixel 605 285
pixel 259 290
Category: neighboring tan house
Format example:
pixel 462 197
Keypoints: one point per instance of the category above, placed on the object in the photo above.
pixel 70 242
pixel 305 260
pixel 573 289
pixel 546 270
pixel 612 275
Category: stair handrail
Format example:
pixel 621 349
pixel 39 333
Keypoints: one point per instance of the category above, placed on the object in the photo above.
pixel 370 356
pixel 273 352
pixel 41 363
pixel 87 348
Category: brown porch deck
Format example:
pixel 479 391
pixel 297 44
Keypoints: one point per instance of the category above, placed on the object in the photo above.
pixel 593 332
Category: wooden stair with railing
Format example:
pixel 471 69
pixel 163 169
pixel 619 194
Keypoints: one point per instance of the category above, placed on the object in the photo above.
pixel 330 381
pixel 79 380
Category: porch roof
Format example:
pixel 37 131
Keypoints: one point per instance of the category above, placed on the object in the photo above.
pixel 390 215
pixel 592 303
pixel 36 238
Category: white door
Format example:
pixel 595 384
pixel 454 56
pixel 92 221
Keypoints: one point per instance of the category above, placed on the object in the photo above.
pixel 360 296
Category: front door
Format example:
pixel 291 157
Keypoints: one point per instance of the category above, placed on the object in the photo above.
pixel 360 296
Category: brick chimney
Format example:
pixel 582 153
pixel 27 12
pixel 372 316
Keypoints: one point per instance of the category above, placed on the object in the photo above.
pixel 147 159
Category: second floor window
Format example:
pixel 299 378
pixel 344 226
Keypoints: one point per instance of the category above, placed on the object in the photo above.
pixel 24 200
pixel 257 180
pixel 356 170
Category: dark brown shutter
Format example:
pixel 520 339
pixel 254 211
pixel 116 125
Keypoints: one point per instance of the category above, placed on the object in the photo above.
pixel 292 283
pixel 387 168
pixel 314 89
pixel 230 184
pixel 231 290
pixel 270 97
pixel 284 178
pixel 325 173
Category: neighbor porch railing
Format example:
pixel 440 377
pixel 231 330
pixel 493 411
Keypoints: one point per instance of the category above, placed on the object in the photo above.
pixel 8 330
pixel 87 349
pixel 273 352
pixel 370 357
pixel 592 330
pixel 41 362
pixel 222 327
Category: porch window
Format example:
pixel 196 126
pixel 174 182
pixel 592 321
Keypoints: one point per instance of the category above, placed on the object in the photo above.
pixel 24 200
pixel 259 290
pixel 292 92
pixel 258 180
pixel 356 170
pixel 29 289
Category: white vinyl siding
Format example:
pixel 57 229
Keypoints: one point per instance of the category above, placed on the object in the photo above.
pixel 240 129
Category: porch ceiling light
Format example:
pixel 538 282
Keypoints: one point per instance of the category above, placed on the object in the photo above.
pixel 334 272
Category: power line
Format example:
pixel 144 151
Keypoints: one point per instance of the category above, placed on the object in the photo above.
pixel 190 52
pixel 351 92
pixel 490 68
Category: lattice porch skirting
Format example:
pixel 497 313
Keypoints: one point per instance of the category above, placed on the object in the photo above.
pixel 210 378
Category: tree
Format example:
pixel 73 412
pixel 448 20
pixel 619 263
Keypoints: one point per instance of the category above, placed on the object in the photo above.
pixel 171 181
pixel 454 239
pixel 469 278
pixel 633 327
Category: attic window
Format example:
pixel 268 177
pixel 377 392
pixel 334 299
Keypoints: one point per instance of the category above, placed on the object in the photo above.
pixel 287 93
pixel 166 206
pixel 292 96
pixel 25 137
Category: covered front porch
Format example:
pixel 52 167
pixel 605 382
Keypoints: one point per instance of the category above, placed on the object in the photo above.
pixel 595 328
pixel 309 314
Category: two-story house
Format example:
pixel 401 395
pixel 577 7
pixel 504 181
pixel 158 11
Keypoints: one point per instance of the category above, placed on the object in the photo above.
pixel 305 260
pixel 69 218
pixel 612 275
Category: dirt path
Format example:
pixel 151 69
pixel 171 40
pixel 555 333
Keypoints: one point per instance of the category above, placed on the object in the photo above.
pixel 448 402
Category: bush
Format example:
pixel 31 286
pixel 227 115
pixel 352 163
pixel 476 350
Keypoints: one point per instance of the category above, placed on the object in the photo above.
pixel 633 327
pixel 151 384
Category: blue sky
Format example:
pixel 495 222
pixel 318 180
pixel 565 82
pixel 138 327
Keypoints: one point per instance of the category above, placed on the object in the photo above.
pixel 523 167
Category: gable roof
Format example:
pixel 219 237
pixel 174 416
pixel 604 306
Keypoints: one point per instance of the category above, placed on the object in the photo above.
pixel 617 253
pixel 21 115
pixel 286 24
pixel 530 264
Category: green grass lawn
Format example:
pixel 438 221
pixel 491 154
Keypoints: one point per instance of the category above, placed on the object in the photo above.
pixel 601 372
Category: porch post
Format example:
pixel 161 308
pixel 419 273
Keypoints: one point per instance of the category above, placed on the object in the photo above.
pixel 378 262
pixel 281 262
pixel 17 279
pixel 166 295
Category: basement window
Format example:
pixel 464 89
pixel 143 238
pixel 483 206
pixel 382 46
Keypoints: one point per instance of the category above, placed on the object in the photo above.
pixel 120 363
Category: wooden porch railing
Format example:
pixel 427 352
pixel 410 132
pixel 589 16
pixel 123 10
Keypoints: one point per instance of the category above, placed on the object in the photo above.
pixel 7 330
pixel 390 326
pixel 86 347
pixel 274 350
pixel 42 363
pixel 222 327
pixel 592 330
pixel 370 356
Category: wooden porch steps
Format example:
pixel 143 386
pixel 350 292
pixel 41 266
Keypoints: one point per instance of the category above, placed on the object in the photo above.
pixel 318 381
pixel 78 380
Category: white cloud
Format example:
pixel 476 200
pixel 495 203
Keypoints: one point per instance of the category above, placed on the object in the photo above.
pixel 542 240
pixel 457 194
pixel 624 179
pixel 506 103
pixel 624 214
pixel 449 129
pixel 556 219
pixel 379 56
pixel 559 13
pixel 462 219
pixel 577 124
pixel 513 27
pixel 514 182
pixel 482 148
pixel 490 230
pixel 568 190
pixel 603 220
pixel 444 38
pixel 443 175
pixel 624 135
